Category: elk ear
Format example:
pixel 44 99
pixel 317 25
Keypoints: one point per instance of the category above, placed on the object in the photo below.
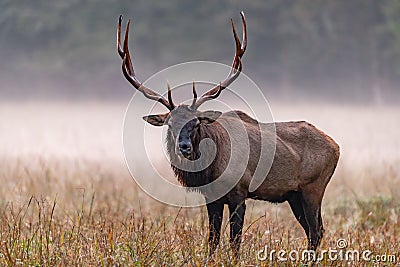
pixel 156 120
pixel 209 116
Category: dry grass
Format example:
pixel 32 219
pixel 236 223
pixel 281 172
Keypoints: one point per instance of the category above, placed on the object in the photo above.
pixel 75 214
pixel 77 210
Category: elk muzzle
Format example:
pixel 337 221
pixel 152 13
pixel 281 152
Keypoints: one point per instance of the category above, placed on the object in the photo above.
pixel 185 148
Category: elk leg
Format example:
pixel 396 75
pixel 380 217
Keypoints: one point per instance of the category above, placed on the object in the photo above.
pixel 215 212
pixel 312 196
pixel 312 211
pixel 296 204
pixel 321 225
pixel 236 219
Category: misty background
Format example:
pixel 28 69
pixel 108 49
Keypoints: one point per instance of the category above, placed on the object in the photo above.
pixel 336 51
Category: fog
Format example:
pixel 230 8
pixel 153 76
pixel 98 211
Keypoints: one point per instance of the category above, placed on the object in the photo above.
pixel 93 131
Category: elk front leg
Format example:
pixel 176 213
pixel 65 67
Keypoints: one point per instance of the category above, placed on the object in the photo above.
pixel 236 219
pixel 215 212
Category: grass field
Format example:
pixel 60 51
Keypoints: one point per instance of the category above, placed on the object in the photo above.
pixel 67 199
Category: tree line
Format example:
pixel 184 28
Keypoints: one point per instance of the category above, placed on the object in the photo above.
pixel 346 48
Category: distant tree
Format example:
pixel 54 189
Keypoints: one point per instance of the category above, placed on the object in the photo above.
pixel 295 45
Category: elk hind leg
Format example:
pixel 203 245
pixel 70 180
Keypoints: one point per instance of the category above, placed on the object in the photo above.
pixel 312 195
pixel 311 200
pixel 296 204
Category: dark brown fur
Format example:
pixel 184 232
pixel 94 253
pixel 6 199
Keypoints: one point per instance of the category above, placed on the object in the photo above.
pixel 304 162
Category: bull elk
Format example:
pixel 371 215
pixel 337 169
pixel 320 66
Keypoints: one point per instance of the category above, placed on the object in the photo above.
pixel 304 160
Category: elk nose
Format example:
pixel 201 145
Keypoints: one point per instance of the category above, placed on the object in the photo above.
pixel 185 148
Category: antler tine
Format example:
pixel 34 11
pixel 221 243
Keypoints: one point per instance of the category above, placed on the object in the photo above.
pixel 238 46
pixel 193 105
pixel 126 49
pixel 120 51
pixel 170 97
pixel 244 42
pixel 236 67
pixel 129 73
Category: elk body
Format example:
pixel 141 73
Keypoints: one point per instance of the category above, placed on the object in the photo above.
pixel 304 160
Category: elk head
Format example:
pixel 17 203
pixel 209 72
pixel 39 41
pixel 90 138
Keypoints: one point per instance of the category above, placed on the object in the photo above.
pixel 182 120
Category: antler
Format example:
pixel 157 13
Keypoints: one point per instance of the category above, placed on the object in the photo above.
pixel 193 105
pixel 129 73
pixel 235 69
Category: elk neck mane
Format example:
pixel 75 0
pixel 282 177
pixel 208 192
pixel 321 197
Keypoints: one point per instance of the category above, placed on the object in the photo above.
pixel 197 178
pixel 213 132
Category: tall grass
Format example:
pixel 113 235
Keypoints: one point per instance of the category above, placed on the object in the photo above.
pixel 68 214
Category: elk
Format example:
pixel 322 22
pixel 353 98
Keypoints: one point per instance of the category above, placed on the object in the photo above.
pixel 304 161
